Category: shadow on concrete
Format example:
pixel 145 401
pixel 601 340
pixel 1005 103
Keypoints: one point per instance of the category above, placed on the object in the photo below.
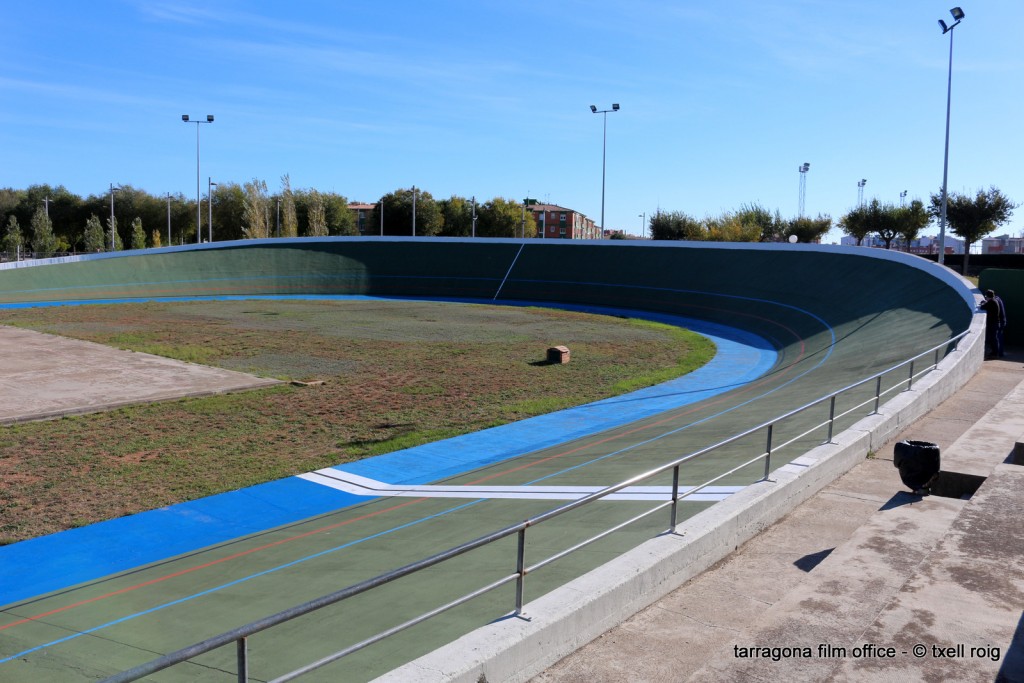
pixel 809 562
pixel 1013 663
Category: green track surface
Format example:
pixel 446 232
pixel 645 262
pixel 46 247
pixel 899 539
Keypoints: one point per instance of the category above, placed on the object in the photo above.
pixel 834 316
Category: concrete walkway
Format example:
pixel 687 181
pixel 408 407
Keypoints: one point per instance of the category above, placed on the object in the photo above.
pixel 861 567
pixel 47 376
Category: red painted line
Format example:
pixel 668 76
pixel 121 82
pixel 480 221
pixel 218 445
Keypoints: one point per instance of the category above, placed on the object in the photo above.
pixel 307 534
pixel 212 563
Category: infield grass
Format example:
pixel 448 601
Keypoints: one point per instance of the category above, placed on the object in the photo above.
pixel 396 374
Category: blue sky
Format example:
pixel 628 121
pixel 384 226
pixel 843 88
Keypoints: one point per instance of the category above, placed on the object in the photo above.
pixel 721 101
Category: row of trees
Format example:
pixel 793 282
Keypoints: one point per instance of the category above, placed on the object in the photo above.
pixel 751 223
pixel 46 220
pixel 968 217
pixel 59 221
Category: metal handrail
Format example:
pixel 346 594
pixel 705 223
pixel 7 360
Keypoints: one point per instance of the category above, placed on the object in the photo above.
pixel 240 635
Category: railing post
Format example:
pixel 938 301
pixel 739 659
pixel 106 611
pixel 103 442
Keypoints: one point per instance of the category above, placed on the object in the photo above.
pixel 910 380
pixel 831 418
pixel 521 570
pixel 878 392
pixel 768 454
pixel 936 358
pixel 675 499
pixel 243 660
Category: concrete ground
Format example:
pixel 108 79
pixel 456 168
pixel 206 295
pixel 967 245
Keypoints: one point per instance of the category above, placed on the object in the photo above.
pixel 861 566
pixel 50 376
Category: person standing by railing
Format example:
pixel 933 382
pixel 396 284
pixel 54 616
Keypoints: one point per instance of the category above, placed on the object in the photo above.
pixel 995 323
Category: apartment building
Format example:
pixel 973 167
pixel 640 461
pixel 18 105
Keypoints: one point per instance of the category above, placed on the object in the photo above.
pixel 558 222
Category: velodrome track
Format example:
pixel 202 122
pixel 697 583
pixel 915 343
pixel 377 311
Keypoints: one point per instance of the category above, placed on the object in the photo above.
pixel 829 315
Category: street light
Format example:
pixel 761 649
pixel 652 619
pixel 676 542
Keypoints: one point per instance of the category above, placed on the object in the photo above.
pixel 903 196
pixel 604 153
pixel 113 189
pixel 643 224
pixel 958 15
pixel 860 191
pixel 209 207
pixel 199 205
pixel 803 184
pixel 473 232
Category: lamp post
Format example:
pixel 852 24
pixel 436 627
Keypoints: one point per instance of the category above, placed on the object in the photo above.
pixel 860 191
pixel 604 153
pixel 199 205
pixel 113 189
pixel 643 225
pixel 473 233
pixel 169 219
pixel 958 15
pixel 413 210
pixel 209 207
pixel 903 196
pixel 803 184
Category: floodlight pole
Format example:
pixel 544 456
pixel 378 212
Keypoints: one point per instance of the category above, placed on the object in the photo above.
pixel 604 154
pixel 958 14
pixel 113 189
pixel 473 233
pixel 803 168
pixel 209 207
pixel 199 196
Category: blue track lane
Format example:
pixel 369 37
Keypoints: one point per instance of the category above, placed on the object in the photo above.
pixel 51 563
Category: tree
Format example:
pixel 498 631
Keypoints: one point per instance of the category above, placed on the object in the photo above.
pixel 676 225
pixel 154 237
pixel 138 234
pixel 501 217
pixel 911 220
pixel 457 214
pixel 855 224
pixel 255 218
pixel 731 227
pixel 228 211
pixel 93 238
pixel 44 243
pixel 770 226
pixel 809 229
pixel 869 218
pixel 340 219
pixel 398 207
pixel 317 215
pixel 971 219
pixel 118 245
pixel 886 222
pixel 13 239
pixel 289 220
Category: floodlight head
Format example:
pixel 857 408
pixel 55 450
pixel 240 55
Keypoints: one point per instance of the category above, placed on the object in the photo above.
pixel 615 107
pixel 957 13
pixel 593 108
pixel 942 25
pixel 209 118
pixel 184 117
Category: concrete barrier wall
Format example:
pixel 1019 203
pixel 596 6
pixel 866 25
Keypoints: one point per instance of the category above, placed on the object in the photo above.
pixel 564 620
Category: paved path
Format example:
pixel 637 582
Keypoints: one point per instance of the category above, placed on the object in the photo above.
pixel 49 376
pixel 863 562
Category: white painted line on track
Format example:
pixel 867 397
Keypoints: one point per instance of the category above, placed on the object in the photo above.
pixel 362 486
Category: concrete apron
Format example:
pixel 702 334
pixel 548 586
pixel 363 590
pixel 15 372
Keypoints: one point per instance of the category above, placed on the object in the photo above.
pixel 564 620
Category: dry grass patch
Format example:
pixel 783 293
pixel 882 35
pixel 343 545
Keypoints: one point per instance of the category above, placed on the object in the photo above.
pixel 397 374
